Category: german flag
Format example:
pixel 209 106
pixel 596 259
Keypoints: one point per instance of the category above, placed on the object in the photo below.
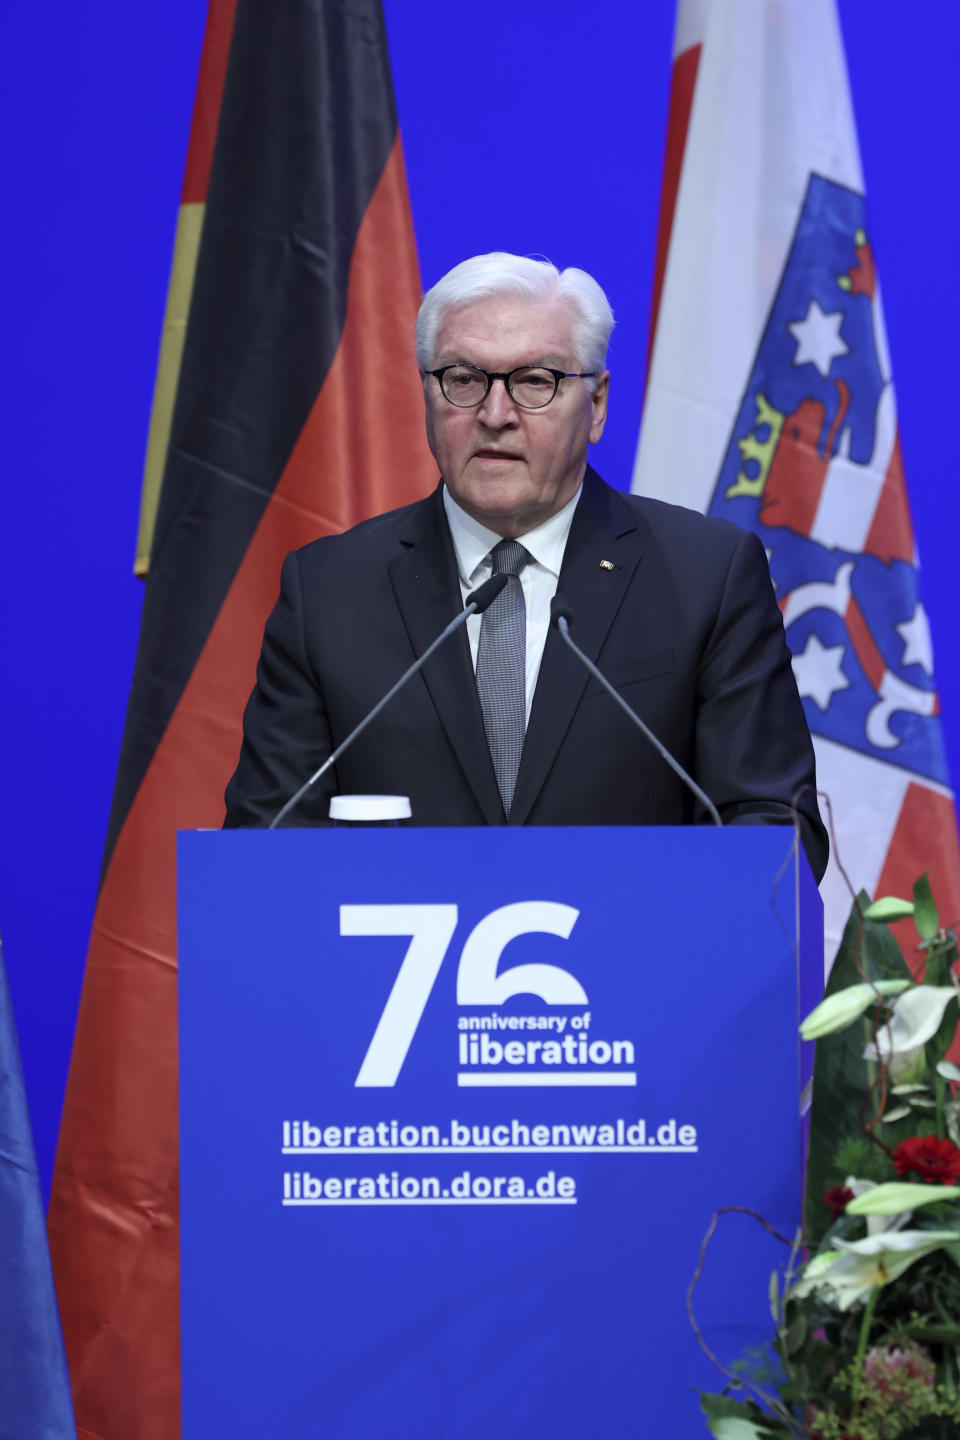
pixel 278 429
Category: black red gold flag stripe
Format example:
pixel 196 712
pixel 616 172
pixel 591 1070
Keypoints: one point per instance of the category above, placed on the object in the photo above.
pixel 306 288
pixel 193 200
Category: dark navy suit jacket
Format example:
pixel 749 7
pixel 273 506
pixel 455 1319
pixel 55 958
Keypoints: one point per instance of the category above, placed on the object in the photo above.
pixel 685 625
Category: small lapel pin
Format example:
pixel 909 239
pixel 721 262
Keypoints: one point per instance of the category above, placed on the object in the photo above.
pixel 607 565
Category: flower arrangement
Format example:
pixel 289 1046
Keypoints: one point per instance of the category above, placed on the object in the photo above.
pixel 867 1307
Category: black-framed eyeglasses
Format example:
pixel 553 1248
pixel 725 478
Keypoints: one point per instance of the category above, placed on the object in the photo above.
pixel 529 386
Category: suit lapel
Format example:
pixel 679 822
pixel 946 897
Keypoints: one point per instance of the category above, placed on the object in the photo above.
pixel 604 528
pixel 427 590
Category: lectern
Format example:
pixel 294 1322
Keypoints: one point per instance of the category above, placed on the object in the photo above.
pixel 456 1109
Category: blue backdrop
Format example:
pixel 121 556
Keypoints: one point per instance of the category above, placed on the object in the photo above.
pixel 95 104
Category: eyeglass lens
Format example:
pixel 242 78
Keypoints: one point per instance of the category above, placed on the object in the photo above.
pixel 530 387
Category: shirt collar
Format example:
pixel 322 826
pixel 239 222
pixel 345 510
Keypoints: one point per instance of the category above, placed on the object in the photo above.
pixel 473 541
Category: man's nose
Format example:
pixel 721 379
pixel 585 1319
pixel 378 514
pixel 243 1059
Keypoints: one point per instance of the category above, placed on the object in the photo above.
pixel 497 408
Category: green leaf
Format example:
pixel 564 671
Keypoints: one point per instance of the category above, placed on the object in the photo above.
pixel 730 1419
pixel 773 1291
pixel 721 1407
pixel 935 1333
pixel 795 1333
pixel 888 909
pixel 924 910
pixel 940 958
pixel 801 1377
pixel 951 1114
pixel 938 963
pixel 916 1123
pixel 856 1156
pixel 840 1074
pixel 889 1116
pixel 935 1050
pixel 738 1429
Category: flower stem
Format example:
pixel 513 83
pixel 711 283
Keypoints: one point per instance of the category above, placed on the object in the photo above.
pixel 949 1373
pixel 858 1360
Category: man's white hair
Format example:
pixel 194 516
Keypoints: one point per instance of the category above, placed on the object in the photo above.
pixel 486 276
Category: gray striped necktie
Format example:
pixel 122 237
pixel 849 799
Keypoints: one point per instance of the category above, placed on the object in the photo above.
pixel 502 668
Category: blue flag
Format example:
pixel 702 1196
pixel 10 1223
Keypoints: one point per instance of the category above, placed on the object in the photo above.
pixel 34 1386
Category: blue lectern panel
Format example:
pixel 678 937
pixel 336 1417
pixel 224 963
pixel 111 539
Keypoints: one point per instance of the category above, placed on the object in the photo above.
pixel 457 1107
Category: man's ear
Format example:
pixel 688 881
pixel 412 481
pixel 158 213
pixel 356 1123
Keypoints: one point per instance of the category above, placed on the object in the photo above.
pixel 599 398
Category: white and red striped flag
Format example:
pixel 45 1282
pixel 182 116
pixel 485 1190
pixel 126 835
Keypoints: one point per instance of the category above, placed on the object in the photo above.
pixel 770 401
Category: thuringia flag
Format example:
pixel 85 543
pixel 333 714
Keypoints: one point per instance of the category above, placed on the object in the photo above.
pixel 770 402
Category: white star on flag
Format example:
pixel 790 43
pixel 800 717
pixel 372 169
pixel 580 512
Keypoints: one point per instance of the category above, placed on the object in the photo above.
pixel 917 646
pixel 818 338
pixel 818 671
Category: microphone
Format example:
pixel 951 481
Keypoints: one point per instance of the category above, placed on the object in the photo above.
pixel 560 616
pixel 475 604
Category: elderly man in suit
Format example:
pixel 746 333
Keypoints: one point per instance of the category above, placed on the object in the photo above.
pixel 504 725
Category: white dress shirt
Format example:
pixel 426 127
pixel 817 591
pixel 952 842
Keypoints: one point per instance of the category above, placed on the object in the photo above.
pixel 473 543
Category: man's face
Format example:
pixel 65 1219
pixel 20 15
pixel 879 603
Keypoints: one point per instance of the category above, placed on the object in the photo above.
pixel 509 468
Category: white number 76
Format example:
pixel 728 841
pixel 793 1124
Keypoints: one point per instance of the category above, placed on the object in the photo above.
pixel 431 928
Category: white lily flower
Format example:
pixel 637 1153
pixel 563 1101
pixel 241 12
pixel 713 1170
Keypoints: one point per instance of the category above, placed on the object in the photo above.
pixel 898 1196
pixel 899 1241
pixel 840 1010
pixel 878 1220
pixel 849 1278
pixel 814 1270
pixel 907 1066
pixel 916 1019
pixel 852 1270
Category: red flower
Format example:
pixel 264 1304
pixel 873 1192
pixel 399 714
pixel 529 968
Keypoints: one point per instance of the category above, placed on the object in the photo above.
pixel 936 1161
pixel 837 1198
